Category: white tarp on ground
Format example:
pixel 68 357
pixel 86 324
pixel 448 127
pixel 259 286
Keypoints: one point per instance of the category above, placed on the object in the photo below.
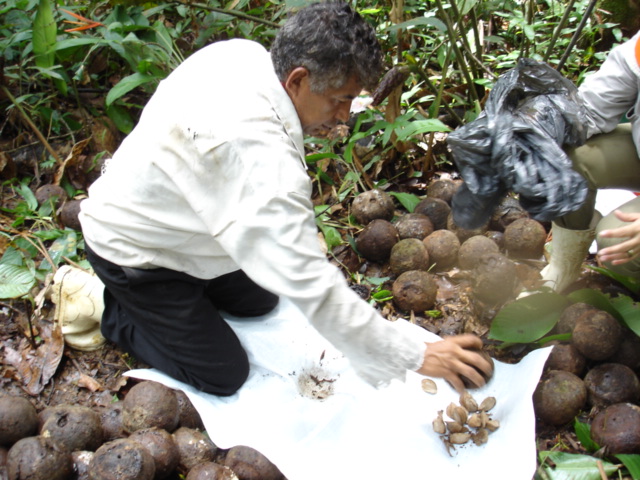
pixel 358 432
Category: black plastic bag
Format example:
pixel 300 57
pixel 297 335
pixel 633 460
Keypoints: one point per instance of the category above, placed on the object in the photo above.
pixel 515 145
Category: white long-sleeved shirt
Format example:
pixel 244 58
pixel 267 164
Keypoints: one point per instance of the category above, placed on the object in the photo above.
pixel 213 179
pixel 614 90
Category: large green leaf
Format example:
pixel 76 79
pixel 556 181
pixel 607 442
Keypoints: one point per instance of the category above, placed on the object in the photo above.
pixel 127 84
pixel 583 432
pixel 44 35
pixel 629 311
pixel 408 200
pixel 15 280
pixel 632 462
pixel 569 466
pixel 528 319
pixel 595 298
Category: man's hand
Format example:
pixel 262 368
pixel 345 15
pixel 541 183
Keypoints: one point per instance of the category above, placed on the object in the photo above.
pixel 454 356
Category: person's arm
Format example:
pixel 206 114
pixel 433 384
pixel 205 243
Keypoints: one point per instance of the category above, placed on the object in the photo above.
pixel 627 250
pixel 610 92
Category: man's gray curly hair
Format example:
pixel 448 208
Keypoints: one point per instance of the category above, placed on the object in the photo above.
pixel 333 42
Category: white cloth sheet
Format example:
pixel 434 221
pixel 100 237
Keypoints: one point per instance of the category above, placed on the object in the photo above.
pixel 358 431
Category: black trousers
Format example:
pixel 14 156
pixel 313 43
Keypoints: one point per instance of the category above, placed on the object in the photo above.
pixel 171 321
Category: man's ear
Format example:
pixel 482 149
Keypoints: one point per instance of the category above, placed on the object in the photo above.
pixel 296 80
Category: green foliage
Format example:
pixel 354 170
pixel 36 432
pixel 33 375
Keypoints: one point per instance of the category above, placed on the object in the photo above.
pixel 529 319
pixel 569 466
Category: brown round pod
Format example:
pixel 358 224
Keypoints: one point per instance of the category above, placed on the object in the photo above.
pixel 436 209
pixel 250 464
pixel 51 193
pixel 597 335
pixel 189 416
pixel 372 205
pixel 628 352
pixel 415 290
pixel 194 447
pixel 617 428
pixel 508 211
pixel 409 254
pixel 18 419
pixel 443 189
pixel 74 427
pixel 565 356
pixel 120 459
pixel 495 278
pixel 414 225
pixel 473 248
pixel 376 240
pixel 464 233
pixel 38 458
pixel 610 383
pixel 525 238
pixel 559 397
pixel 211 471
pixel 443 247
pixel 570 315
pixel 111 419
pixel 69 214
pixel 150 404
pixel 497 238
pixel 159 443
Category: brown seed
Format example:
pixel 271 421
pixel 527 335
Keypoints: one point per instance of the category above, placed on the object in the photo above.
pixel 481 436
pixel 429 386
pixel 475 420
pixel 493 425
pixel 468 402
pixel 460 415
pixel 487 404
pixel 459 438
pixel 455 427
pixel 438 424
pixel 451 410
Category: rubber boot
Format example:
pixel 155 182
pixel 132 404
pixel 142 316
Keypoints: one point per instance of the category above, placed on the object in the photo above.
pixel 569 249
pixel 77 295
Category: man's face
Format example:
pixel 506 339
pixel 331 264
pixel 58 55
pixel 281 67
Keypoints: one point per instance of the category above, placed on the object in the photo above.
pixel 320 112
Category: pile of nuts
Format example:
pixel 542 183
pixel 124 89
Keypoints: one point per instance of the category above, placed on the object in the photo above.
pixel 468 422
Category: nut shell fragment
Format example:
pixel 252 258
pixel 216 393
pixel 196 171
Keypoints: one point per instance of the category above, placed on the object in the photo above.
pixel 459 438
pixel 429 386
pixel 487 404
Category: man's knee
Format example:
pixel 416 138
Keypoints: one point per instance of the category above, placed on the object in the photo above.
pixel 222 381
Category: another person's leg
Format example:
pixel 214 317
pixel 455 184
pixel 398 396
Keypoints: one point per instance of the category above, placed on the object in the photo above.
pixel 606 161
pixel 165 319
pixel 629 269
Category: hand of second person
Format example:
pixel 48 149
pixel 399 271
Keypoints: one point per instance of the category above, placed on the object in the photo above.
pixel 454 356
pixel 628 249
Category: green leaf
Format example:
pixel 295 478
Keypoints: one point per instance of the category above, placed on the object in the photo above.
pixel 121 117
pixel 629 311
pixel 316 157
pixel 28 195
pixel 583 432
pixel 44 35
pixel 528 319
pixel 63 246
pixel 595 298
pixel 15 280
pixel 382 296
pixel 632 463
pixel 431 21
pixel 332 237
pixel 570 466
pixel 632 284
pixel 408 200
pixel 127 84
